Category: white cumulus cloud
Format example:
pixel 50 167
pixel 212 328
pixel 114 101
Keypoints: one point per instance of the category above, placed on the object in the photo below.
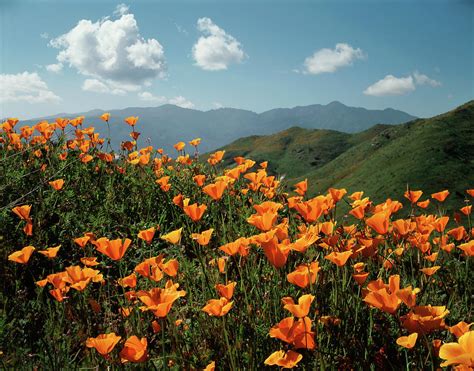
pixel 97 86
pixel 179 101
pixel 121 9
pixel 421 79
pixel 25 87
pixel 55 67
pixel 391 85
pixel 329 60
pixel 112 51
pixel 216 49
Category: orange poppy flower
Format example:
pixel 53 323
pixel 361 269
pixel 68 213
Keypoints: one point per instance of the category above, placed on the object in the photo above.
pixel 358 212
pixel 105 117
pixel 57 184
pixel 210 367
pixel 337 194
pixel 276 253
pixel 286 360
pixel 173 237
pixel 430 271
pixel 388 297
pixel 218 307
pixel 302 308
pixel 360 278
pixel 178 200
pixel 413 196
pixel 23 211
pixel 170 267
pixel 221 265
pixel 304 275
pixel 199 180
pixel 131 120
pixel 195 211
pixel 460 353
pixel 239 246
pixel 203 238
pixel 156 326
pixel 263 222
pixel 114 249
pixel 147 234
pixel 306 240
pixel 297 333
pixel 312 209
pixel 50 252
pixel 407 341
pixel 90 261
pixel 226 291
pixel 160 301
pixel 423 204
pixel 216 157
pixel 424 319
pixel 302 187
pixel 103 343
pixel 179 146
pixel 460 328
pixel 134 350
pixel 440 223
pixel 22 256
pixel 58 294
pixel 468 248
pixel 466 210
pixel 379 222
pixel 195 142
pixel 440 196
pixel 215 190
pixel 339 258
pixel 150 269
pixel 128 281
pixel 457 233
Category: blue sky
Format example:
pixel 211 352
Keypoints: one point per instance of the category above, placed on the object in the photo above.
pixel 73 56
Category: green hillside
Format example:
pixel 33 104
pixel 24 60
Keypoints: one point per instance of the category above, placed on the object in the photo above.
pixel 429 154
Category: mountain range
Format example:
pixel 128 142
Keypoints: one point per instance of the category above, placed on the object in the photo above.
pixel 429 154
pixel 165 125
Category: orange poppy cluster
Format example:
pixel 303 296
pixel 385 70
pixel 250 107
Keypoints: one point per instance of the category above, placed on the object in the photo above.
pixel 282 226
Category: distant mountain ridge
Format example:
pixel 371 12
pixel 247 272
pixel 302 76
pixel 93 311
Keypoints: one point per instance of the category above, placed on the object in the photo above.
pixel 165 125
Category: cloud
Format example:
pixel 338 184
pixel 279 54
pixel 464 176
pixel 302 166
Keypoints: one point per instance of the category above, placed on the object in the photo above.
pixel 44 35
pixel 391 85
pixel 25 87
pixel 57 67
pixel 217 105
pixel 421 79
pixel 148 97
pixel 97 86
pixel 329 60
pixel 216 50
pixel 179 101
pixel 121 9
pixel 112 51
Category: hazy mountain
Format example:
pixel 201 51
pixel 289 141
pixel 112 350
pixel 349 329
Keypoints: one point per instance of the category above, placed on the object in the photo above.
pixel 429 154
pixel 168 124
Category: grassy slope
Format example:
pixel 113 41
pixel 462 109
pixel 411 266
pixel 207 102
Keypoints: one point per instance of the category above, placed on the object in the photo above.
pixel 430 154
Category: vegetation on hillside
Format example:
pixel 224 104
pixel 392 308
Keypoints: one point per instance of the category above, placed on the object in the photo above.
pixel 384 160
pixel 138 259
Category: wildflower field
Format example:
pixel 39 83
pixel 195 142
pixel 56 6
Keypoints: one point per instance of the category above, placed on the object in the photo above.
pixel 141 259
